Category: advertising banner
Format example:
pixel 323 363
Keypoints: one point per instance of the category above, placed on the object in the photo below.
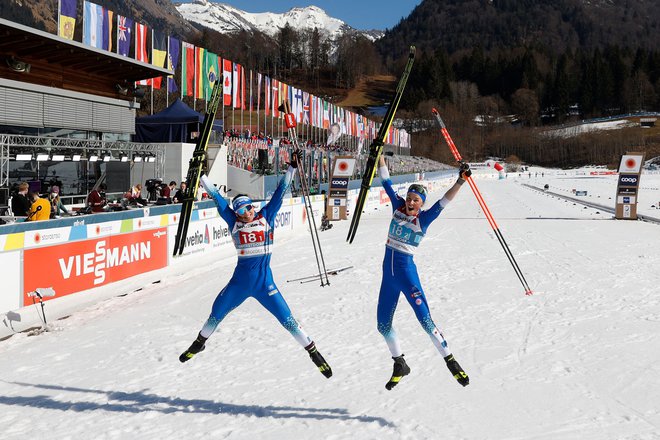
pixel 630 170
pixel 342 170
pixel 82 265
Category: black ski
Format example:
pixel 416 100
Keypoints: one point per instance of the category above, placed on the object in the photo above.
pixel 195 167
pixel 376 148
pixel 311 278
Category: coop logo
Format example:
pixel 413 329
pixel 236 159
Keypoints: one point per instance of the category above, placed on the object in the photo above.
pixel 283 219
pixel 103 258
pixel 627 180
pixel 339 183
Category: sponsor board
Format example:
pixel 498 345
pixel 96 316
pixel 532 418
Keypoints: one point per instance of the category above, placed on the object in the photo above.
pixel 632 190
pixel 337 202
pixel 337 192
pixel 339 182
pixel 47 237
pixel 628 180
pixel 104 229
pixel 630 163
pixel 629 200
pixel 627 211
pixel 580 193
pixel 11 264
pixel 343 166
pixel 82 265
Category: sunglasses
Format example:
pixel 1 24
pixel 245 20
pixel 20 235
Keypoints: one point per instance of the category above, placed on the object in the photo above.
pixel 243 209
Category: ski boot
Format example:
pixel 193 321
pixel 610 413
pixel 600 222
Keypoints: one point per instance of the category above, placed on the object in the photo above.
pixel 318 360
pixel 195 347
pixel 400 369
pixel 457 371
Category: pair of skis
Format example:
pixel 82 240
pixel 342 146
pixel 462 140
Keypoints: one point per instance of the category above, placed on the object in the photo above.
pixel 376 147
pixel 482 204
pixel 290 120
pixel 195 168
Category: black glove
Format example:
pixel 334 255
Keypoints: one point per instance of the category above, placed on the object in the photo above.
pixel 295 156
pixel 464 171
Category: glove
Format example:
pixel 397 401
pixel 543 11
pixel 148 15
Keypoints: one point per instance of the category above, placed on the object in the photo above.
pixel 464 171
pixel 295 156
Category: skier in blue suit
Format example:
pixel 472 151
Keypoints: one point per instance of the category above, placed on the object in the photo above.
pixel 407 229
pixel 252 233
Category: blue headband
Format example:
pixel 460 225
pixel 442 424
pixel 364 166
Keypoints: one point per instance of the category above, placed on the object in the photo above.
pixel 240 201
pixel 421 196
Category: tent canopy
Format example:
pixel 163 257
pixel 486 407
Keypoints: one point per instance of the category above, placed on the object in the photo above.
pixel 174 124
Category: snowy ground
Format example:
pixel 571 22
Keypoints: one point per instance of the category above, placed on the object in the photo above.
pixel 578 360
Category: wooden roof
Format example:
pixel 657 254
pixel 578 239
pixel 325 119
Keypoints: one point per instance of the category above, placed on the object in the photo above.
pixel 61 63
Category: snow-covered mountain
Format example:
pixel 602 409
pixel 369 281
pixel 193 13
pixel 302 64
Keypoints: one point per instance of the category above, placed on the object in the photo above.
pixel 227 19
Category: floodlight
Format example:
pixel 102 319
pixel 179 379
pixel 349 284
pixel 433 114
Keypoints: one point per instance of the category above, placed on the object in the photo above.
pixel 93 158
pixel 137 158
pixel 75 158
pixel 151 159
pixel 23 157
pixel 58 157
pixel 124 158
pixel 42 157
pixel 107 158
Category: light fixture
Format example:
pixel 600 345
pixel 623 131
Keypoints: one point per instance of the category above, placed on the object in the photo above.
pixel 121 89
pixel 75 158
pixel 58 157
pixel 107 158
pixel 93 158
pixel 124 158
pixel 23 157
pixel 151 159
pixel 137 158
pixel 18 66
pixel 42 157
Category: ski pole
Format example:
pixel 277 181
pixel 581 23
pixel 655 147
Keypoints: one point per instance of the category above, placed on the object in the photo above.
pixel 482 204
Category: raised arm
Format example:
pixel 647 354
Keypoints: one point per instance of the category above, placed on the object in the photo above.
pixel 431 214
pixel 384 174
pixel 223 207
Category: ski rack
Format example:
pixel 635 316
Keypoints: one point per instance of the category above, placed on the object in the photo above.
pixel 290 120
pixel 482 204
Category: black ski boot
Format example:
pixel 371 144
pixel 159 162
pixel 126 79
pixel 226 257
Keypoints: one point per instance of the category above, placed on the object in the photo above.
pixel 400 369
pixel 318 360
pixel 195 347
pixel 457 371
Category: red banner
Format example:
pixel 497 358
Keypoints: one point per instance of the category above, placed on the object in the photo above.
pixel 73 267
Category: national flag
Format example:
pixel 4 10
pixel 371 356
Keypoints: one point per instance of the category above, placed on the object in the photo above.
pixel 275 97
pixel 283 94
pixel 250 90
pixel 173 62
pixel 326 115
pixel 68 15
pixel 267 92
pixel 124 34
pixel 93 24
pixel 242 87
pixel 141 53
pixel 305 109
pixel 298 99
pixel 211 73
pixel 187 69
pixel 158 55
pixel 226 81
pixel 200 72
pixel 107 29
pixel 258 91
pixel 236 90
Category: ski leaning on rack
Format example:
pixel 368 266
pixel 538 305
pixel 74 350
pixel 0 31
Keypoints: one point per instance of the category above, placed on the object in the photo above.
pixel 376 147
pixel 195 169
pixel 482 204
pixel 290 120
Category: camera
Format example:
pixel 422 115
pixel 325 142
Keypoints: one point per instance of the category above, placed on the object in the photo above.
pixel 153 188
pixel 41 292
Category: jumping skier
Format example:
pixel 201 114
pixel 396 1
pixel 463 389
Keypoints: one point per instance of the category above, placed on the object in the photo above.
pixel 407 228
pixel 252 233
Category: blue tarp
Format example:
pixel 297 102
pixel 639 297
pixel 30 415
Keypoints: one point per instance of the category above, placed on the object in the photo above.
pixel 174 124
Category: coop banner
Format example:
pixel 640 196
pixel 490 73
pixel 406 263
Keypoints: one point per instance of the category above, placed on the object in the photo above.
pixel 74 267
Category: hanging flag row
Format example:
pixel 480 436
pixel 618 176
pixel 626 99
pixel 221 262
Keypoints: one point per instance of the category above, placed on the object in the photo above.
pixel 200 69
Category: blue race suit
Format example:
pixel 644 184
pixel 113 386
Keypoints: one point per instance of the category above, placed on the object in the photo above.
pixel 252 276
pixel 399 270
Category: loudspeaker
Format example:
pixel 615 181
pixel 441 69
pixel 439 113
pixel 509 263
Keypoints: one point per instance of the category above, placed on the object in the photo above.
pixel 263 159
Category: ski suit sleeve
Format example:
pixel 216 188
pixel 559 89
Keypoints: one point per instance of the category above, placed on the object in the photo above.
pixel 273 206
pixel 384 174
pixel 427 217
pixel 225 211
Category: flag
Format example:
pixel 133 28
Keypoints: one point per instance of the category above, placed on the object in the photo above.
pixel 172 62
pixel 258 91
pixel 93 24
pixel 158 55
pixel 187 69
pixel 211 73
pixel 141 47
pixel 305 108
pixel 250 90
pixel 107 29
pixel 68 15
pixel 267 90
pixel 236 91
pixel 124 34
pixel 200 72
pixel 243 88
pixel 274 98
pixel 226 81
pixel 298 99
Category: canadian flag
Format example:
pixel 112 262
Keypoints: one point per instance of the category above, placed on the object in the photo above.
pixel 236 97
pixel 226 81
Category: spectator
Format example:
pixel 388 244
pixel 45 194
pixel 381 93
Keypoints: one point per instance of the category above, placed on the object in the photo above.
pixel 40 208
pixel 180 194
pixel 20 205
pixel 169 190
pixel 135 196
pixel 57 208
pixel 96 199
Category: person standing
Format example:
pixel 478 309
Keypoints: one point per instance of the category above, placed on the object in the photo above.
pixel 407 229
pixel 252 234
pixel 20 204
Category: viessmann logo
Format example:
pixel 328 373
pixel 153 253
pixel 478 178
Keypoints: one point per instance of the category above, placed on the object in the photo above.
pixel 103 258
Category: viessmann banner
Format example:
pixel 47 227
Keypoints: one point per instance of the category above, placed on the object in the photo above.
pixel 82 265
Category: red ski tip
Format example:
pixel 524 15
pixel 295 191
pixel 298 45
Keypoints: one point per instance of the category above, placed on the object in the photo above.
pixel 529 293
pixel 434 111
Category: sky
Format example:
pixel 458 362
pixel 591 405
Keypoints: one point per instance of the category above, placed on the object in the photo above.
pixel 359 14
pixel 578 360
